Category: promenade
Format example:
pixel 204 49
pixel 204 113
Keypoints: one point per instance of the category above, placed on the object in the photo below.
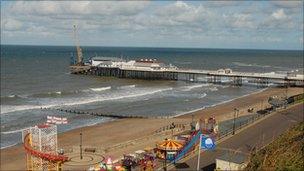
pixel 254 136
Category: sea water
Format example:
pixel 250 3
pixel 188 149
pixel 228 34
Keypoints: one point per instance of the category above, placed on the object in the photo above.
pixel 35 77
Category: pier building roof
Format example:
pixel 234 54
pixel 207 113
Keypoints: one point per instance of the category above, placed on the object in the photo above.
pixel 113 59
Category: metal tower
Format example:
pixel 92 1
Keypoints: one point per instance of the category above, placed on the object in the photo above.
pixel 40 143
pixel 79 50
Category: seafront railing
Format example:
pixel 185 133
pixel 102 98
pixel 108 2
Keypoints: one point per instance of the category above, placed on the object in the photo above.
pixel 239 126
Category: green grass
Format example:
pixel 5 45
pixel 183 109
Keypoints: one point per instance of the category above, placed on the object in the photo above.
pixel 285 153
pixel 299 101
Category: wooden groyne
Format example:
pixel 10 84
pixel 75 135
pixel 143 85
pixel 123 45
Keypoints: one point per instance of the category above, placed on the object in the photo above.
pixel 74 111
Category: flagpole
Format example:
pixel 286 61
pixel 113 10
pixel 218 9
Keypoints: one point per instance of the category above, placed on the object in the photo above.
pixel 199 153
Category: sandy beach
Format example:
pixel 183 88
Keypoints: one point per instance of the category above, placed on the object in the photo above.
pixel 108 134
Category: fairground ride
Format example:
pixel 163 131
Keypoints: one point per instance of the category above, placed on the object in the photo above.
pixel 40 144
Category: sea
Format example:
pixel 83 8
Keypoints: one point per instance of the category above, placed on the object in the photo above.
pixel 35 77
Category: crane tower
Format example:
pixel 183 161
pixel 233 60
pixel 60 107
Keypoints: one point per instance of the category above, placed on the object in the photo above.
pixel 79 51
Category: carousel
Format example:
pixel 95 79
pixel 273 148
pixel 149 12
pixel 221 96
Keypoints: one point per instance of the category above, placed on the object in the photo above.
pixel 167 149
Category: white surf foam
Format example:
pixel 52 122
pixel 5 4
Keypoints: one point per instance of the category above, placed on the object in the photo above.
pixel 101 89
pixel 191 87
pixel 56 92
pixel 12 108
pixel 86 100
pixel 127 86
pixel 8 146
pixel 14 131
pixel 250 65
pixel 14 96
pixel 213 89
pixel 216 104
pixel 99 99
pixel 203 95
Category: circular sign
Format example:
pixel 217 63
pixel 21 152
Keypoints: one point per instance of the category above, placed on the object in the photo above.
pixel 209 143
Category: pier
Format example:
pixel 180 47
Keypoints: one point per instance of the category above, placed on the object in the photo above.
pixel 191 75
pixel 152 69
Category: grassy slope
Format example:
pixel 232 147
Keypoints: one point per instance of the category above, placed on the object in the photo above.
pixel 285 153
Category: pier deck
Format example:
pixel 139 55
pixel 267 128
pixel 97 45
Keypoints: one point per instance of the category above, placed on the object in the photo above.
pixel 193 75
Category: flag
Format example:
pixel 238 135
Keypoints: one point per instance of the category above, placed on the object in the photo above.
pixel 207 142
pixel 49 119
pixel 56 120
pixel 64 120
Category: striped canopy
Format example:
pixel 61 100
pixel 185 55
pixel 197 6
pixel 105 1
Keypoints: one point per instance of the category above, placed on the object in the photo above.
pixel 169 144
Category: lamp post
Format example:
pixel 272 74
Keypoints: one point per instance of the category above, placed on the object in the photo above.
pixel 199 153
pixel 80 145
pixel 165 162
pixel 234 117
pixel 192 123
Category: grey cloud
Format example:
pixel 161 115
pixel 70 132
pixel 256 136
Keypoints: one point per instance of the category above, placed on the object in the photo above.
pixel 78 7
pixel 277 20
pixel 10 24
pixel 288 4
pixel 176 21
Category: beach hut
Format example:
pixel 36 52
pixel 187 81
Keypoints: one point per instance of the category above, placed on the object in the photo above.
pixel 167 149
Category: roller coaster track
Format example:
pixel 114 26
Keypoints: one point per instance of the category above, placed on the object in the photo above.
pixel 44 156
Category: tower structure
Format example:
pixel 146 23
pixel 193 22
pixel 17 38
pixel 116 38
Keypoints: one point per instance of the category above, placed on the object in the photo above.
pixel 40 143
pixel 79 50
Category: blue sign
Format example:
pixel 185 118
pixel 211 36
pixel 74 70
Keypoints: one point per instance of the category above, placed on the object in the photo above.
pixel 207 142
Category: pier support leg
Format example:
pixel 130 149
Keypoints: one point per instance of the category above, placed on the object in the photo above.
pixel 237 81
pixel 262 82
pixel 209 79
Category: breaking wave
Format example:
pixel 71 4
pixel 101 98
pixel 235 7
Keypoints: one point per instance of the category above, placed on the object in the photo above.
pixel 180 113
pixel 203 95
pixel 57 92
pixel 12 96
pixel 101 89
pixel 213 89
pixel 50 94
pixel 127 86
pixel 12 132
pixel 250 65
pixel 11 145
pixel 15 108
pixel 79 101
pixel 189 88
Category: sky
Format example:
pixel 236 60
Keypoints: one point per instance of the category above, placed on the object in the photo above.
pixel 189 24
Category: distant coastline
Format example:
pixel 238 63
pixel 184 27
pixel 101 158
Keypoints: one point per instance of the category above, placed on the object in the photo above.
pixel 151 47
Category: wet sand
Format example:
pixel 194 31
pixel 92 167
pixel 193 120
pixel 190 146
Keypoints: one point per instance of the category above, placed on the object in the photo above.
pixel 108 134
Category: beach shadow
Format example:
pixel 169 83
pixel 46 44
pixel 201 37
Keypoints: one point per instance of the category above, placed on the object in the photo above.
pixel 210 167
pixel 181 165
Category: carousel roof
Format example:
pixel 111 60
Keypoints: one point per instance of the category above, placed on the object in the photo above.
pixel 169 144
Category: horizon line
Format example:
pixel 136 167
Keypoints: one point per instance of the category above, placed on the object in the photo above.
pixel 155 47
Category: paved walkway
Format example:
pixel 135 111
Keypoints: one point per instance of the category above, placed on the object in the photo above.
pixel 254 137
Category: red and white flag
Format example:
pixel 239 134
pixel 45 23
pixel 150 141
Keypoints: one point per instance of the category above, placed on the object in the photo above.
pixel 56 120
pixel 49 119
pixel 64 120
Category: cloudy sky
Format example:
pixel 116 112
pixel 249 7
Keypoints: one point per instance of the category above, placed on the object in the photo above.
pixel 248 24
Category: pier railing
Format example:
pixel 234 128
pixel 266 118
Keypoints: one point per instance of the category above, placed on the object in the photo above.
pixel 193 75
